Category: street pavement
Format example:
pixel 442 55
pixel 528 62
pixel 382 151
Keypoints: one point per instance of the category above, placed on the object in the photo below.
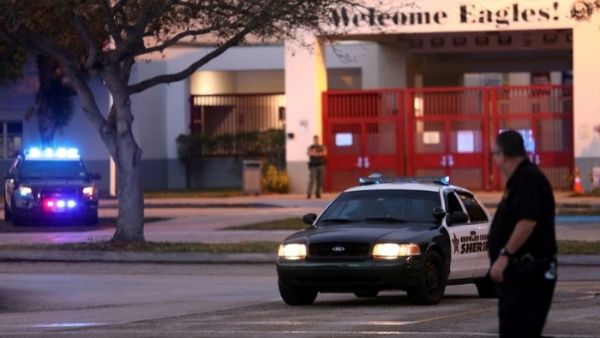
pixel 206 219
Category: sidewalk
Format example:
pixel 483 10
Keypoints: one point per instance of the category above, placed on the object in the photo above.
pixel 203 220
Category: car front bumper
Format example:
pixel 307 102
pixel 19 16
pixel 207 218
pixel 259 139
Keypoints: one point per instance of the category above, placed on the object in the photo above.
pixel 370 274
pixel 29 208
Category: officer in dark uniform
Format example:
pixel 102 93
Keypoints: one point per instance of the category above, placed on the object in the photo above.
pixel 522 241
pixel 316 163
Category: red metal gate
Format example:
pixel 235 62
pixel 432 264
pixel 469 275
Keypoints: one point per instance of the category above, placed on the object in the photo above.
pixel 544 116
pixel 363 134
pixel 445 131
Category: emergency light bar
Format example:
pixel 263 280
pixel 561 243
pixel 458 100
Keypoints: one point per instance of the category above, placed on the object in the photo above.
pixel 52 154
pixel 378 179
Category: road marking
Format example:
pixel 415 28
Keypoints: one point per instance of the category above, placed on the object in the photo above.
pixel 241 333
pixel 63 325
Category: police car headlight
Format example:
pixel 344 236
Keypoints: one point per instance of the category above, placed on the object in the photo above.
pixel 25 191
pixel 393 250
pixel 293 251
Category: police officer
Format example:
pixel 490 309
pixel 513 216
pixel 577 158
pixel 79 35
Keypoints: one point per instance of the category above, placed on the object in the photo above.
pixel 316 162
pixel 522 241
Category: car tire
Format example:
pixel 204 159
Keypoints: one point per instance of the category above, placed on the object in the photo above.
pixel 17 218
pixel 432 283
pixel 295 295
pixel 7 213
pixel 366 293
pixel 486 288
pixel 92 218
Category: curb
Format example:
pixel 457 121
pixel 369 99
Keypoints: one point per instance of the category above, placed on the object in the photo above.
pixel 196 258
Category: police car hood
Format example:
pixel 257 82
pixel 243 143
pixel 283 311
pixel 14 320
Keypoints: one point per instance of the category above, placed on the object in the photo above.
pixel 55 182
pixel 368 232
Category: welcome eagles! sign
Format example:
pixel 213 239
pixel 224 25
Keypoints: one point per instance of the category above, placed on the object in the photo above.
pixel 433 15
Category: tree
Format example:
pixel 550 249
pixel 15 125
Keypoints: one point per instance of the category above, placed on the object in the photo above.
pixel 12 61
pixel 109 36
pixel 53 101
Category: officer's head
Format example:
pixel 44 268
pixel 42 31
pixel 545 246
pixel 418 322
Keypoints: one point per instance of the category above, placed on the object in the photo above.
pixel 509 143
pixel 509 151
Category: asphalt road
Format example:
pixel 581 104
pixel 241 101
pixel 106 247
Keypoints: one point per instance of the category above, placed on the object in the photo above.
pixel 153 300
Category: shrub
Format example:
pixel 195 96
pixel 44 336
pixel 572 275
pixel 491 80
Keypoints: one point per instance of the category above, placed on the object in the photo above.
pixel 274 180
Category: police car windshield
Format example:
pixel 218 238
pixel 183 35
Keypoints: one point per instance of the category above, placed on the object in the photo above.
pixel 390 206
pixel 53 169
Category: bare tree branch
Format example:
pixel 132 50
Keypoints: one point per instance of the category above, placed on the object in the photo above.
pixel 87 38
pixel 234 41
pixel 175 39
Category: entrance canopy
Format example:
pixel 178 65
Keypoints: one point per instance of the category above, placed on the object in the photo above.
pixel 417 44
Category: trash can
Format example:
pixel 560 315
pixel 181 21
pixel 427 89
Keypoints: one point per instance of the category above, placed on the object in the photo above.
pixel 251 175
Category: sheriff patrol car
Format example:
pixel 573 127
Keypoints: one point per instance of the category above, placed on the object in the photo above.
pixel 50 184
pixel 414 234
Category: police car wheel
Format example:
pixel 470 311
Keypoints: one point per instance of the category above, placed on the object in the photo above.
pixel 92 218
pixel 17 218
pixel 486 288
pixel 7 214
pixel 366 293
pixel 294 295
pixel 432 284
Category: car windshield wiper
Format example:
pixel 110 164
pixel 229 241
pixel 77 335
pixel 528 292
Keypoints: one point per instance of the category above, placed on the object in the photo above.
pixel 338 220
pixel 385 219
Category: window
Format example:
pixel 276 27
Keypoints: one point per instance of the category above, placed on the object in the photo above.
pixel 476 213
pixel 11 138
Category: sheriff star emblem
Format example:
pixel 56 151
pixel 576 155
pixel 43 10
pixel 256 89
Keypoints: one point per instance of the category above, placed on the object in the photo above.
pixel 455 242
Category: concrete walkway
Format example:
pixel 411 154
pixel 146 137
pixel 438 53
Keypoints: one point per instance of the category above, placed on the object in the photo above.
pixel 204 220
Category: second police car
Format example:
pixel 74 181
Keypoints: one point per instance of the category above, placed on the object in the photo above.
pixel 412 234
pixel 50 184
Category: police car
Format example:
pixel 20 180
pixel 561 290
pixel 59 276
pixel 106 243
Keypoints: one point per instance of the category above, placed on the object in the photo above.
pixel 50 184
pixel 414 234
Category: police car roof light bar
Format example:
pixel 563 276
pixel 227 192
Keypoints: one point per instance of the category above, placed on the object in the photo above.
pixel 62 153
pixel 378 179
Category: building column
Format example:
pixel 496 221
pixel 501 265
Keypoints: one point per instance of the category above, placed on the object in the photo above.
pixel 586 105
pixel 305 81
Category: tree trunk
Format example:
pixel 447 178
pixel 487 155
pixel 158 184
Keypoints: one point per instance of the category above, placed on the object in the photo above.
pixel 130 223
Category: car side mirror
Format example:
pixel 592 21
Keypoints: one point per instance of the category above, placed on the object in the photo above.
pixel 438 213
pixel 94 176
pixel 457 217
pixel 309 218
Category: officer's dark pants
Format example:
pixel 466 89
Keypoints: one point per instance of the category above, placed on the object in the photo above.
pixel 524 302
pixel 316 177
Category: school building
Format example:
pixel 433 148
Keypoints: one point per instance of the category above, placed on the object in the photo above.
pixel 398 87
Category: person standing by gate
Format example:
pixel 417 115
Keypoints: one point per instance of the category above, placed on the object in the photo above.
pixel 522 242
pixel 316 161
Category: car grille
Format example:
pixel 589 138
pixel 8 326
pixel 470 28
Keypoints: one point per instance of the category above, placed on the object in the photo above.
pixel 62 192
pixel 339 251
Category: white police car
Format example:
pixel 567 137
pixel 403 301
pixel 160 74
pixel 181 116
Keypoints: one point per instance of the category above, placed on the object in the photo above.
pixel 50 184
pixel 412 234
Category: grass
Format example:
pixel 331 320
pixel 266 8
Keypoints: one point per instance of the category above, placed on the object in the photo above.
pixel 579 247
pixel 282 224
pixel 161 247
pixel 192 193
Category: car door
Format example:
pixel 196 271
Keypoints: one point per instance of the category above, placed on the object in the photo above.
pixel 463 238
pixel 479 219
pixel 10 183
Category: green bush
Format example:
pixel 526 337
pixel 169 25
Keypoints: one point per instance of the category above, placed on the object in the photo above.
pixel 274 180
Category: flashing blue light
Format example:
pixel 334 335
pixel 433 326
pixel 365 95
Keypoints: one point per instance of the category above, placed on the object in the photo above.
pixel 71 204
pixel 378 179
pixel 61 153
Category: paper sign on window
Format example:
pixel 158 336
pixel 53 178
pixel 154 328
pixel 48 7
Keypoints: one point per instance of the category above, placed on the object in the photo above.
pixel 431 137
pixel 343 139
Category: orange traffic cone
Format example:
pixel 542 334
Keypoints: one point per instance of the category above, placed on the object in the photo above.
pixel 577 187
